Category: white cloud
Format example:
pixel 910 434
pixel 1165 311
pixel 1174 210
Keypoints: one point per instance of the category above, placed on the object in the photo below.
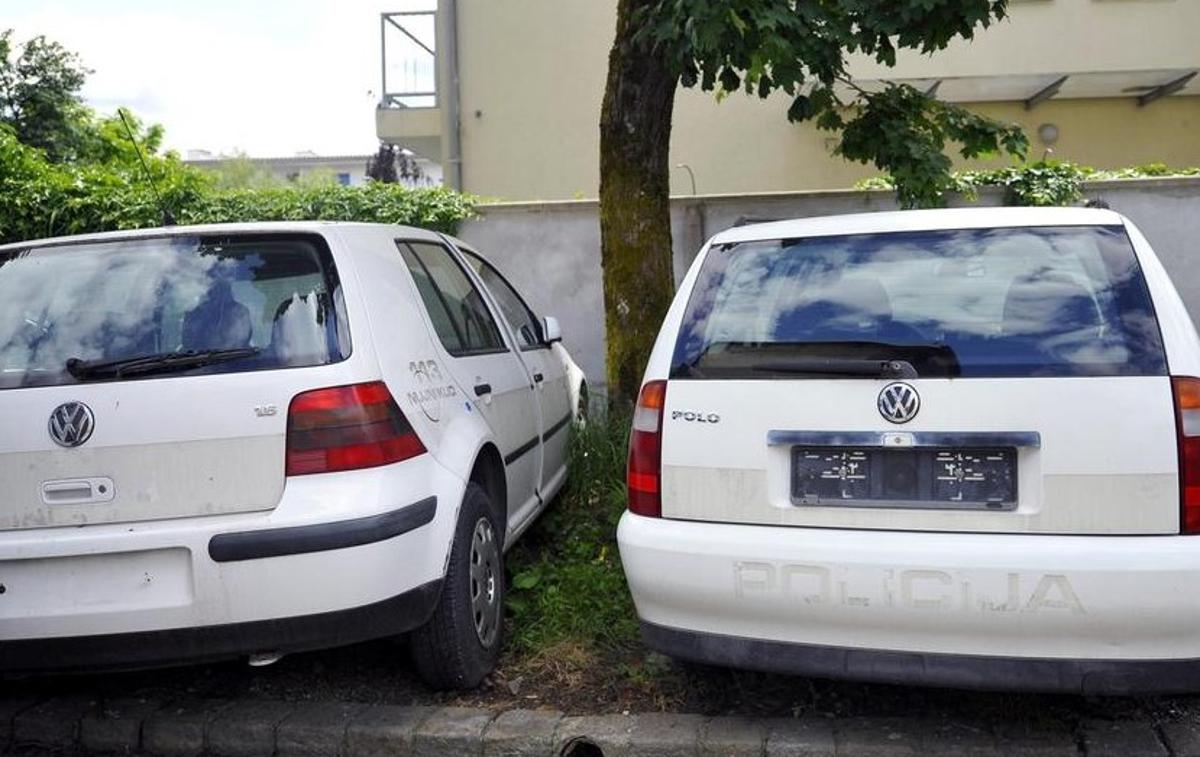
pixel 270 78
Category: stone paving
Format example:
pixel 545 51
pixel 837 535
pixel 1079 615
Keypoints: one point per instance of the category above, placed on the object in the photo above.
pixel 223 728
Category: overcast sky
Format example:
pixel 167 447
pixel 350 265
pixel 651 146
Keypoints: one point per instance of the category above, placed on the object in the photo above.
pixel 269 77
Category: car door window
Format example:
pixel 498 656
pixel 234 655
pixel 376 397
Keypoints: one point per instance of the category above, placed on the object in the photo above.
pixel 548 371
pixel 459 314
pixel 524 322
pixel 497 378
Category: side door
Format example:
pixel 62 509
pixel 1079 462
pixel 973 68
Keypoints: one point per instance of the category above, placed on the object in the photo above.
pixel 548 371
pixel 485 368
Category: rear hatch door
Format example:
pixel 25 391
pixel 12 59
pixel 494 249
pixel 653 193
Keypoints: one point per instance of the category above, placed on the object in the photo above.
pixel 996 380
pixel 150 378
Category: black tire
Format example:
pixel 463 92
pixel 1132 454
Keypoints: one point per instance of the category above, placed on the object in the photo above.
pixel 584 407
pixel 456 648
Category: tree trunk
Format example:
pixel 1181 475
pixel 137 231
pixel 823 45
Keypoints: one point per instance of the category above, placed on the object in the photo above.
pixel 635 214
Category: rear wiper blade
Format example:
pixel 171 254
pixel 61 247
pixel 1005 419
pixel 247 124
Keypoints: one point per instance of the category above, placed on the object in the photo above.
pixel 840 366
pixel 162 363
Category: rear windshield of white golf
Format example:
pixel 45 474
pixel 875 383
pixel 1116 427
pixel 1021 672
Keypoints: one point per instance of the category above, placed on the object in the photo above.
pixel 175 305
pixel 1043 301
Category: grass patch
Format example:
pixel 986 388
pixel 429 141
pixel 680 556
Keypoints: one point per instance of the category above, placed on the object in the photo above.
pixel 567 589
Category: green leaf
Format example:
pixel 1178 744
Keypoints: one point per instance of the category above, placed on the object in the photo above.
pixel 526 580
pixel 801 109
pixel 730 81
pixel 738 24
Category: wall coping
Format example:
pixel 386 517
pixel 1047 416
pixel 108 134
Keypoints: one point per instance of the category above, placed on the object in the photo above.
pixel 550 206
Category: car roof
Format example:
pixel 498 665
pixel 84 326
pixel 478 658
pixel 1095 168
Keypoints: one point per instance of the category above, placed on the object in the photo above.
pixel 919 220
pixel 210 228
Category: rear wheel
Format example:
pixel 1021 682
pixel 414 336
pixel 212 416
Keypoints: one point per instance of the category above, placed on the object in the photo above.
pixel 461 642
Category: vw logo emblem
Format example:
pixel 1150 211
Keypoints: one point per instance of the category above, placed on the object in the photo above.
pixel 899 403
pixel 71 424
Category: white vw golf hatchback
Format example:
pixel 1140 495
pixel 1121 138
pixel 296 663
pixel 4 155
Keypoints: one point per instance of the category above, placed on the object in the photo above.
pixel 263 438
pixel 954 447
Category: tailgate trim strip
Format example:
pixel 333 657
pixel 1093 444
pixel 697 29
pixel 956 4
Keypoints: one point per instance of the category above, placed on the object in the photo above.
pixel 1029 439
pixel 320 537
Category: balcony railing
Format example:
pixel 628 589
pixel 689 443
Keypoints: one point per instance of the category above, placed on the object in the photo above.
pixel 408 42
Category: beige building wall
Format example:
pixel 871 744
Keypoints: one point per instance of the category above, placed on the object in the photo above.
pixel 532 77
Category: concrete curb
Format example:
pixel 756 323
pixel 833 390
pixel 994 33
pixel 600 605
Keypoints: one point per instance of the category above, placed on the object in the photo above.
pixel 220 728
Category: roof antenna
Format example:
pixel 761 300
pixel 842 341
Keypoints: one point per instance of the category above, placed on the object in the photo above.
pixel 167 218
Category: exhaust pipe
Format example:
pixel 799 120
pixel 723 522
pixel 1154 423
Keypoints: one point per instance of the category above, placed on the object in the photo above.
pixel 263 659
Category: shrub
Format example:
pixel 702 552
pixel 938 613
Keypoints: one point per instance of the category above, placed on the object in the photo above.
pixel 1041 183
pixel 434 208
pixel 40 199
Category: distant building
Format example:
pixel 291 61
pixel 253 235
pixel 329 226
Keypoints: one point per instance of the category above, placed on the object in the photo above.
pixel 506 95
pixel 348 170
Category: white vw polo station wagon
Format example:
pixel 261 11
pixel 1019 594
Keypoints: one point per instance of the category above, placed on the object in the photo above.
pixel 263 438
pixel 956 447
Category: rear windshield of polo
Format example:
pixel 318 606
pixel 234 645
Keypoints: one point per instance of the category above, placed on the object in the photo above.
pixel 276 296
pixel 1041 301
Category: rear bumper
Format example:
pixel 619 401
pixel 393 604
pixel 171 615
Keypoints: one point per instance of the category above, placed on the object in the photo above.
pixel 395 615
pixel 975 610
pixel 343 557
pixel 1113 677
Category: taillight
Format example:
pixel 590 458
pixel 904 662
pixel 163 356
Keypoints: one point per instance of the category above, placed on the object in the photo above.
pixel 645 451
pixel 1187 418
pixel 346 428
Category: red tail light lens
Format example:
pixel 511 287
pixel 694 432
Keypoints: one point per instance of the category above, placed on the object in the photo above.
pixel 1187 418
pixel 645 451
pixel 347 428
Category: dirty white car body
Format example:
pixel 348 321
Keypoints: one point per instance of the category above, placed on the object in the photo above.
pixel 755 538
pixel 309 499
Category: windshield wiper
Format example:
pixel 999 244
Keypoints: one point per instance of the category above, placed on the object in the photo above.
pixel 840 366
pixel 162 363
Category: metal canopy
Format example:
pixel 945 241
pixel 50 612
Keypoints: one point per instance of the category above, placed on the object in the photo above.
pixel 1034 89
pixel 1046 92
pixel 1169 88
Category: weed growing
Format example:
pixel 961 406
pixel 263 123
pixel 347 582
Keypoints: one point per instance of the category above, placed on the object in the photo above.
pixel 567 589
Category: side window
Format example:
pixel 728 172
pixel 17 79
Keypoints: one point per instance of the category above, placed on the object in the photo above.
pixel 523 321
pixel 459 315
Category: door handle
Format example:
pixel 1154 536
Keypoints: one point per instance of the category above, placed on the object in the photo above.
pixel 538 378
pixel 482 389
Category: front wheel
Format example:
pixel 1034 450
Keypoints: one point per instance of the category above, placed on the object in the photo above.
pixel 461 643
pixel 582 407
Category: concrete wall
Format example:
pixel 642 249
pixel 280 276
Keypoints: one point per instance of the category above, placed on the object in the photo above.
pixel 551 251
pixel 532 76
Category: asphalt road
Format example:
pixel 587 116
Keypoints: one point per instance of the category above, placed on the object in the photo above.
pixel 379 673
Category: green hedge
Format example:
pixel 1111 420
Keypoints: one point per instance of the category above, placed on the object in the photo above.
pixel 434 208
pixel 1042 183
pixel 39 199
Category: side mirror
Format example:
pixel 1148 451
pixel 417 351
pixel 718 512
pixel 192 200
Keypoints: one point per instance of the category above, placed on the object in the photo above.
pixel 551 332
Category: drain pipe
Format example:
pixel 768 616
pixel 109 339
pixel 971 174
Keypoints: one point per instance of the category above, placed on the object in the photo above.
pixel 581 746
pixel 448 94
